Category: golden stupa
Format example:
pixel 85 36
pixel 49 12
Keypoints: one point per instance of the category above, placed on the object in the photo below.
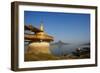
pixel 40 41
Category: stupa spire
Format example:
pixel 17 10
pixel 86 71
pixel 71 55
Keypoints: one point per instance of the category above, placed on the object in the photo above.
pixel 41 26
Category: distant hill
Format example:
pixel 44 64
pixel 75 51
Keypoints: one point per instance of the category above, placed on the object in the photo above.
pixel 60 43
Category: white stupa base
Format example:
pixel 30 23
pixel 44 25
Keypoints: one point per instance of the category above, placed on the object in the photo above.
pixel 38 47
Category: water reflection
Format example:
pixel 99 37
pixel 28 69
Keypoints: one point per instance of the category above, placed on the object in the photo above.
pixel 60 50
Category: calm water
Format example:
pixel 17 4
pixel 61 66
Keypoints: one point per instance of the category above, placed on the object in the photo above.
pixel 65 49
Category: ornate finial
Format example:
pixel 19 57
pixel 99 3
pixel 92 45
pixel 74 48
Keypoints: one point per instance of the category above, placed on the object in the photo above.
pixel 30 26
pixel 41 26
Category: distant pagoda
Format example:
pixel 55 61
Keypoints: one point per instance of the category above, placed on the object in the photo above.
pixel 40 41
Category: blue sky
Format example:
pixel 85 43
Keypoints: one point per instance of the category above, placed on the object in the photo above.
pixel 68 27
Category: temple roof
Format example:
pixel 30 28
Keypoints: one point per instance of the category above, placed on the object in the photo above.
pixel 31 28
pixel 39 34
pixel 38 37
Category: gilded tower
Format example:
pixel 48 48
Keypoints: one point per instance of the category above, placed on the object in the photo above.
pixel 40 41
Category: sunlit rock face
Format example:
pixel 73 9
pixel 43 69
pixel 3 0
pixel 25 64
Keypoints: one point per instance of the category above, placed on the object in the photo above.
pixel 38 47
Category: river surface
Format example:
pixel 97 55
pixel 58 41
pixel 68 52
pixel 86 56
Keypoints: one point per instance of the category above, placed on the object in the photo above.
pixel 65 49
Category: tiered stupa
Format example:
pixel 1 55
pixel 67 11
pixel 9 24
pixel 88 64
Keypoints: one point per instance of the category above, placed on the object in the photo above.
pixel 40 41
